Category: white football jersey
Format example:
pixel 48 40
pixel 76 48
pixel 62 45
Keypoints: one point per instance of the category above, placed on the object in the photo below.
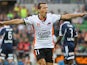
pixel 43 30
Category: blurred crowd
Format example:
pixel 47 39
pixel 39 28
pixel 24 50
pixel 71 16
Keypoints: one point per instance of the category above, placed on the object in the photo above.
pixel 24 34
pixel 53 1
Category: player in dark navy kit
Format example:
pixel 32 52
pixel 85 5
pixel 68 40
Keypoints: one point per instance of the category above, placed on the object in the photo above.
pixel 69 35
pixel 7 42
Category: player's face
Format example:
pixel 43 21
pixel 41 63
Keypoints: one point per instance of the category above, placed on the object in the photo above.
pixel 43 10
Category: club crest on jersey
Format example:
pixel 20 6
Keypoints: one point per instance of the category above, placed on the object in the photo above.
pixel 49 23
pixel 38 24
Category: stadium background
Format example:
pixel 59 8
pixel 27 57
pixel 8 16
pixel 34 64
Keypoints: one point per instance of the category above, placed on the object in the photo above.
pixel 12 9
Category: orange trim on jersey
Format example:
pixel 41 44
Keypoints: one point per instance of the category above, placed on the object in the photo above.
pixel 52 35
pixel 34 39
pixel 52 30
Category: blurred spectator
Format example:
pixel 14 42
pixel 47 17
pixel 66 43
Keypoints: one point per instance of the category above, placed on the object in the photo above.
pixel 21 27
pixel 35 9
pixel 20 48
pixel 24 12
pixel 56 29
pixel 26 47
pixel 52 11
pixel 80 37
pixel 10 15
pixel 84 9
pixel 78 20
pixel 17 8
pixel 20 62
pixel 56 1
pixel 30 32
pixel 15 15
pixel 3 17
pixel 59 11
pixel 27 61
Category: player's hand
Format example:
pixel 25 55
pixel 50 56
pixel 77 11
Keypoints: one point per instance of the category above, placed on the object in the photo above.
pixel 85 13
pixel 1 24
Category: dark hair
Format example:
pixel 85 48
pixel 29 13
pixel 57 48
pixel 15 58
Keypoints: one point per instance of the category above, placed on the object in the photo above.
pixel 39 5
pixel 69 20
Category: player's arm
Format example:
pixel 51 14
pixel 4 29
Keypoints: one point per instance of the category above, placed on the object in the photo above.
pixel 61 33
pixel 59 39
pixel 12 22
pixel 70 16
pixel 76 39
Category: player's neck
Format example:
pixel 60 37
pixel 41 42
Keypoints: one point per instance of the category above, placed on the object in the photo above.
pixel 41 17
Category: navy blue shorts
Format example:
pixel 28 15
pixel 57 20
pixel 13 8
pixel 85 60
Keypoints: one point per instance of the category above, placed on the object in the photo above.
pixel 68 49
pixel 70 46
pixel 7 49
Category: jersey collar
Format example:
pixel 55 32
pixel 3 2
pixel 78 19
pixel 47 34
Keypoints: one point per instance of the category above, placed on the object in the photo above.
pixel 41 19
pixel 66 22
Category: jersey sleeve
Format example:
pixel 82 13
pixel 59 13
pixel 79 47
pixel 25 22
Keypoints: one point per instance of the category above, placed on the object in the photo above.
pixel 55 17
pixel 2 31
pixel 75 33
pixel 61 30
pixel 28 20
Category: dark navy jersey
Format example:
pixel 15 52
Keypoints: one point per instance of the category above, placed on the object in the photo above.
pixel 67 30
pixel 7 33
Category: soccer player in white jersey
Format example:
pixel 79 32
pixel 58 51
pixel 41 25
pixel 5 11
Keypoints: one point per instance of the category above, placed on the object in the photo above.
pixel 43 25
